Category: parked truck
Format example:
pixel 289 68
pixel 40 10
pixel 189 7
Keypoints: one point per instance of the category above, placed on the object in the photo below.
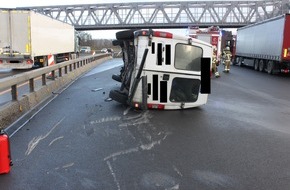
pixel 27 39
pixel 265 46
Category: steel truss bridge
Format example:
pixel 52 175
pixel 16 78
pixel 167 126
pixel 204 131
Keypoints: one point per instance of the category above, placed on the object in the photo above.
pixel 225 14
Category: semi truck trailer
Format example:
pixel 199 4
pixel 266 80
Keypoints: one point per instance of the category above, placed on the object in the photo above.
pixel 28 38
pixel 265 46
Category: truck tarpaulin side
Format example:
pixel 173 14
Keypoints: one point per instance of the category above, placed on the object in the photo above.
pixel 265 45
pixel 27 38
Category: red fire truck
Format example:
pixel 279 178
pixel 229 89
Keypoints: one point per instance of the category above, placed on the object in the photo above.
pixel 216 37
pixel 210 35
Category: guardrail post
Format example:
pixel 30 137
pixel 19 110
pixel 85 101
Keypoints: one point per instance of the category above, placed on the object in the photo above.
pixel 14 92
pixel 60 72
pixel 43 79
pixel 31 85
pixel 53 75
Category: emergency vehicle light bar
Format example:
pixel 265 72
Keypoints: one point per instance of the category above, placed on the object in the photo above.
pixel 162 34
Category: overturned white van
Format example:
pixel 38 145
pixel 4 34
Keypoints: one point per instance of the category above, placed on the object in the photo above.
pixel 162 70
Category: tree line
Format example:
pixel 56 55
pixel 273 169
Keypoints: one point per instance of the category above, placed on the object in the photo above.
pixel 85 39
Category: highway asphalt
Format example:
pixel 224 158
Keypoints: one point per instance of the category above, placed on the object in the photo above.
pixel 81 140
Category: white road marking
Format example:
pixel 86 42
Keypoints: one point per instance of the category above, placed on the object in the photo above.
pixel 114 175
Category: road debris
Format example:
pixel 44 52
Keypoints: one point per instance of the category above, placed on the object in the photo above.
pixel 108 99
pixel 97 89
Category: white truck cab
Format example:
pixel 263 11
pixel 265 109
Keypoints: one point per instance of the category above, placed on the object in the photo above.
pixel 162 70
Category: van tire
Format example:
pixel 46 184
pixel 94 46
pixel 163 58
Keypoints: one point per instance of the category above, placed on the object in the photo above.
pixel 118 96
pixel 117 43
pixel 125 35
pixel 117 78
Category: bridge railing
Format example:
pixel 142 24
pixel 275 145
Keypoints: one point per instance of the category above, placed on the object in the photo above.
pixel 40 84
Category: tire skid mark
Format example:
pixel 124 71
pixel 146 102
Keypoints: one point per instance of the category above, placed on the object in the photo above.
pixel 58 138
pixel 65 166
pixel 34 142
pixel 142 147
pixel 106 119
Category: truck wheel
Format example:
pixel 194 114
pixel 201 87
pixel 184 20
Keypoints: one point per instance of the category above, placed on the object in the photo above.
pixel 234 61
pixel 240 62
pixel 118 96
pixel 270 67
pixel 261 65
pixel 125 35
pixel 256 64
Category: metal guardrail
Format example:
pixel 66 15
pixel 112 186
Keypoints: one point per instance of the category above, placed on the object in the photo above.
pixel 61 68
pixel 30 89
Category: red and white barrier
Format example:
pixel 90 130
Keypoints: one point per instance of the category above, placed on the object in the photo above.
pixel 50 58
pixel 50 62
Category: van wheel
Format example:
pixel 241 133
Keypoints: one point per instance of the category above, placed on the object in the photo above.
pixel 117 78
pixel 125 35
pixel 261 65
pixel 118 43
pixel 118 96
pixel 256 64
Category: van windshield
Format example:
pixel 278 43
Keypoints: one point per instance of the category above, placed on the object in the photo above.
pixel 188 57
